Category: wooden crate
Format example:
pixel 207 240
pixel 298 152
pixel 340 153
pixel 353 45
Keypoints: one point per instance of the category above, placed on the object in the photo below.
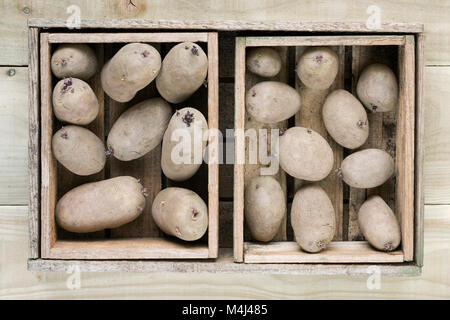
pixel 227 35
pixel 141 238
pixel 392 131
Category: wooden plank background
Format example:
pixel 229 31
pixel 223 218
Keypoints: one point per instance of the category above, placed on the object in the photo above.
pixel 17 282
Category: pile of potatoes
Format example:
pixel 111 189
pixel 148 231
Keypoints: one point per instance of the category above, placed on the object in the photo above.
pixel 113 202
pixel 304 154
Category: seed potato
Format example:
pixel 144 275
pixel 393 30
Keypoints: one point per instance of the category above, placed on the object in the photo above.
pixel 367 168
pixel 75 102
pixel 180 213
pixel 183 71
pixel 187 128
pixel 305 154
pixel 265 207
pixel 317 67
pixel 345 119
pixel 272 101
pixel 263 61
pixel 100 205
pixel 313 218
pixel 377 88
pixel 79 150
pixel 131 69
pixel 139 129
pixel 378 224
pixel 74 60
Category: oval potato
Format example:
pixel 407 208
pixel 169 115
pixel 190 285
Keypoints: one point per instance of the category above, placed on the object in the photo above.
pixel 378 224
pixel 345 119
pixel 75 102
pixel 367 168
pixel 183 71
pixel 79 150
pixel 139 129
pixel 180 213
pixel 272 101
pixel 187 128
pixel 76 60
pixel 265 207
pixel 377 88
pixel 317 67
pixel 313 218
pixel 263 61
pixel 131 69
pixel 305 154
pixel 100 205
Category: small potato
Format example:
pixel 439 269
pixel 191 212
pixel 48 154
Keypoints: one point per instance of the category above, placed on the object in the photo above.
pixel 265 207
pixel 183 156
pixel 131 69
pixel 272 101
pixel 183 71
pixel 317 67
pixel 139 129
pixel 378 224
pixel 305 154
pixel 367 168
pixel 345 119
pixel 263 61
pixel 377 88
pixel 75 102
pixel 313 218
pixel 181 213
pixel 79 150
pixel 100 205
pixel 74 60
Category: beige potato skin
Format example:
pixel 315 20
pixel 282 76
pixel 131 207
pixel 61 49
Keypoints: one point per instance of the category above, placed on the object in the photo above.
pixel 313 218
pixel 272 101
pixel 131 69
pixel 194 124
pixel 377 88
pixel 378 224
pixel 265 207
pixel 75 102
pixel 183 71
pixel 367 168
pixel 139 129
pixel 74 60
pixel 79 150
pixel 100 205
pixel 317 67
pixel 305 154
pixel 345 119
pixel 263 61
pixel 180 213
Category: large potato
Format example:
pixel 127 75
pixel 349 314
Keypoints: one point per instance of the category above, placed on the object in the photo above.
pixel 74 102
pixel 263 61
pixel 100 205
pixel 79 150
pixel 367 168
pixel 317 67
pixel 185 133
pixel 180 213
pixel 183 71
pixel 139 129
pixel 378 224
pixel 377 88
pixel 313 218
pixel 272 101
pixel 74 60
pixel 131 69
pixel 305 154
pixel 345 119
pixel 265 207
